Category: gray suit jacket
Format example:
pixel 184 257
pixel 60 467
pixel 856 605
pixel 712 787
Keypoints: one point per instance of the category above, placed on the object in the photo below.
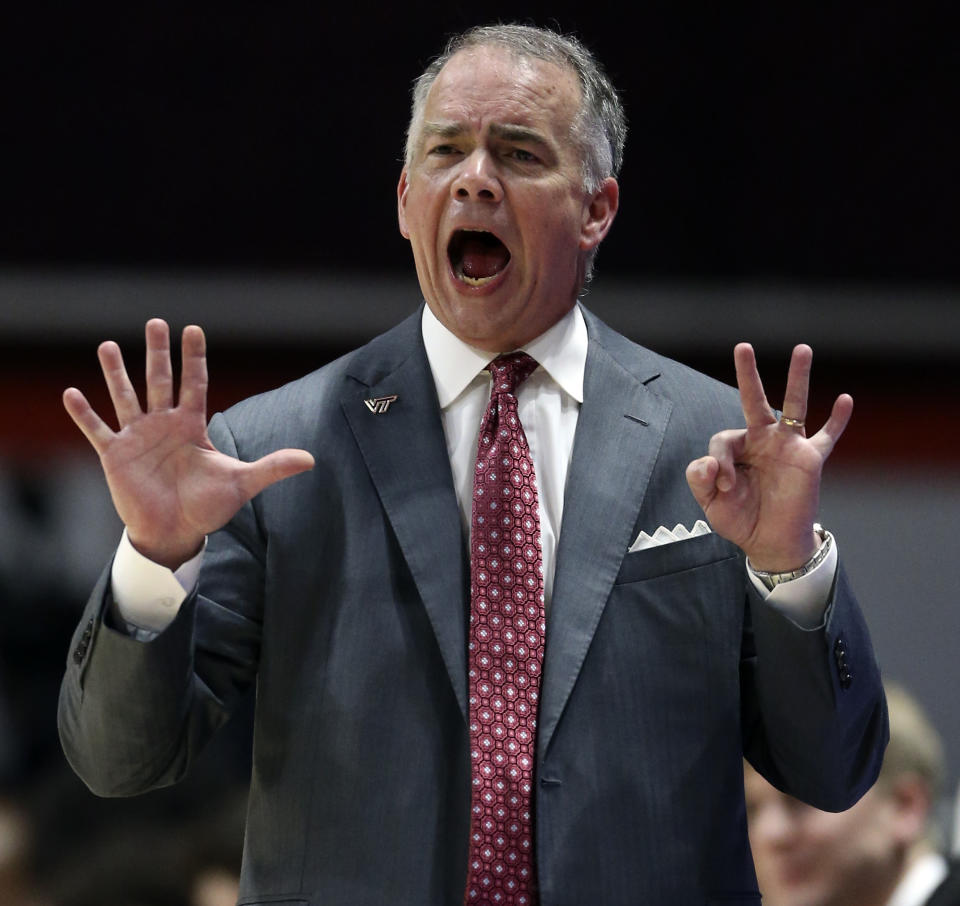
pixel 343 593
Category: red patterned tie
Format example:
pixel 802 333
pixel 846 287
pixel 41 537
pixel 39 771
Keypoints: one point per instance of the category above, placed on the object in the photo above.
pixel 506 644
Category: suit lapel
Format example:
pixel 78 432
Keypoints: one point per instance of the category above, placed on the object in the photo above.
pixel 406 455
pixel 619 433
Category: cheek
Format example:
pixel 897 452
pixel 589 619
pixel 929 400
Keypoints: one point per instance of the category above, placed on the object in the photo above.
pixel 425 222
pixel 842 850
pixel 559 225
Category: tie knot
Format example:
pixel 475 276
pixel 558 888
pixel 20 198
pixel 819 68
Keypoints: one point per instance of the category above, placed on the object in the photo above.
pixel 510 370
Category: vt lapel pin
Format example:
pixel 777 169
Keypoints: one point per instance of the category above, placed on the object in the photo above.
pixel 379 404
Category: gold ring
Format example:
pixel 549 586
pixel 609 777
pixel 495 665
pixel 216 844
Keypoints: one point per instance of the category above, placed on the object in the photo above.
pixel 791 422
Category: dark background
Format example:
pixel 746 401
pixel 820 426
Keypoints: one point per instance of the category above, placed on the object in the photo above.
pixel 809 142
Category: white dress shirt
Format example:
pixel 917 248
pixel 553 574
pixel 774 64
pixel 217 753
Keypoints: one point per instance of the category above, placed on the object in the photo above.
pixel 920 881
pixel 148 595
pixel 548 403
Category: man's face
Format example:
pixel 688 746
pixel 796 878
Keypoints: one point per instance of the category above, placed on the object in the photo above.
pixel 806 857
pixel 493 202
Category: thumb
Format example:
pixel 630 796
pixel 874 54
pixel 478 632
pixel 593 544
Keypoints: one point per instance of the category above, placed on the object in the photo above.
pixel 702 479
pixel 272 468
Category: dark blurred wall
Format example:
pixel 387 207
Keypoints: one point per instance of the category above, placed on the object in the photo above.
pixel 810 141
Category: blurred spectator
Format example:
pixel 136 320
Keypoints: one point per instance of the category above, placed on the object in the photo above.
pixel 17 884
pixel 59 845
pixel 885 851
pixel 155 850
pixel 215 887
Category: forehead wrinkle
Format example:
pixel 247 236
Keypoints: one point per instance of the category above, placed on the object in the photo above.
pixel 527 85
pixel 462 101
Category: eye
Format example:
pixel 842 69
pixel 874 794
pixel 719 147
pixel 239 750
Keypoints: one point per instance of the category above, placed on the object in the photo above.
pixel 522 155
pixel 441 150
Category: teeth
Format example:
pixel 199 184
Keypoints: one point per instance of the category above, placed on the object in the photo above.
pixel 476 281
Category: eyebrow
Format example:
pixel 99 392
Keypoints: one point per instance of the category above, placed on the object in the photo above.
pixel 441 130
pixel 507 131
pixel 512 133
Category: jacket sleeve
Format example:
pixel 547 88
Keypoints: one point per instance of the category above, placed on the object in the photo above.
pixel 134 714
pixel 814 712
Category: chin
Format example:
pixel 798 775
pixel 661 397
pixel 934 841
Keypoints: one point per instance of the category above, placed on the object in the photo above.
pixel 800 895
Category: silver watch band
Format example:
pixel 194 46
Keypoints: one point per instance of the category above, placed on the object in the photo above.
pixel 772 580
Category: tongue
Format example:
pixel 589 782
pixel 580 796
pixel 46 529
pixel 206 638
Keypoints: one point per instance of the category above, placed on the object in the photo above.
pixel 483 257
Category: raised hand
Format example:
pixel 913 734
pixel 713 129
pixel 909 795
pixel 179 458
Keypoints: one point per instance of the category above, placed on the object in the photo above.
pixel 760 486
pixel 169 484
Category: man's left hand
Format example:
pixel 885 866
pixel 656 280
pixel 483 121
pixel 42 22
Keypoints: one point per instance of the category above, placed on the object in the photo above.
pixel 759 486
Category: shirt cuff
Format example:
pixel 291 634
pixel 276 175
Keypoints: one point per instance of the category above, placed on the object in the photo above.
pixel 803 600
pixel 147 595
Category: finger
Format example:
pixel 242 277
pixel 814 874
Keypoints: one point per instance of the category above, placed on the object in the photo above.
pixel 94 428
pixel 756 409
pixel 701 477
pixel 193 371
pixel 726 448
pixel 826 438
pixel 122 394
pixel 159 371
pixel 798 385
pixel 272 468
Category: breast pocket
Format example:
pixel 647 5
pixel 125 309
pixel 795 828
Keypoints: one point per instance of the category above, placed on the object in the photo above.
pixel 684 595
pixel 676 557
pixel 672 634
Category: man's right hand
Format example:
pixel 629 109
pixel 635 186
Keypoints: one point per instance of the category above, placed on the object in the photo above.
pixel 169 484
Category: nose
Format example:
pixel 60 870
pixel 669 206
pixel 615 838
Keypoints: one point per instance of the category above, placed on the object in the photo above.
pixel 477 179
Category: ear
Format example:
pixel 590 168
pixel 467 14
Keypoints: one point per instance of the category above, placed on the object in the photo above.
pixel 598 214
pixel 403 186
pixel 911 801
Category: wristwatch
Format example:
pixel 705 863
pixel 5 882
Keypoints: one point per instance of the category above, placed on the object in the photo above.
pixel 772 580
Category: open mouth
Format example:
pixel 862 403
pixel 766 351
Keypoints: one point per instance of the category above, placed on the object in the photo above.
pixel 477 256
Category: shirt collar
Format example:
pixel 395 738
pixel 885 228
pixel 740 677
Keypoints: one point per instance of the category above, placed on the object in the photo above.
pixel 920 881
pixel 561 350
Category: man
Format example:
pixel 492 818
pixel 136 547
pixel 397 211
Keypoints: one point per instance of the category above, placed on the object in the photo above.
pixel 881 852
pixel 458 701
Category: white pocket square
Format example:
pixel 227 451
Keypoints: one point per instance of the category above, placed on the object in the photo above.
pixel 663 535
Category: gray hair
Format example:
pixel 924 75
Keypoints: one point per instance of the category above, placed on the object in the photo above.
pixel 600 128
